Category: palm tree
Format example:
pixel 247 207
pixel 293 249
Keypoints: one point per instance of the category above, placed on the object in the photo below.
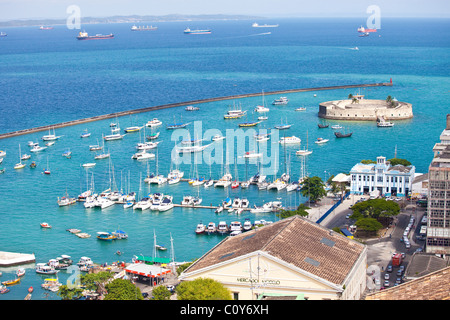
pixel 350 96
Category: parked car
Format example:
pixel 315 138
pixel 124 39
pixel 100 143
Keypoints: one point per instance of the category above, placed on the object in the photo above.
pixel 399 272
pixel 389 268
pixel 348 216
pixel 399 280
pixel 386 276
pixel 386 283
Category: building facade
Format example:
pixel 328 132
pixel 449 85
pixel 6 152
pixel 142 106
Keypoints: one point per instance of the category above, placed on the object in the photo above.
pixel 293 257
pixel 438 223
pixel 382 177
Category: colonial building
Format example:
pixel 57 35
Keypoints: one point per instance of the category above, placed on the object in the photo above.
pixel 293 257
pixel 383 177
pixel 438 225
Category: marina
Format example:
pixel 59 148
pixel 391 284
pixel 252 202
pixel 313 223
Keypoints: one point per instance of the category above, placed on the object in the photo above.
pixel 162 79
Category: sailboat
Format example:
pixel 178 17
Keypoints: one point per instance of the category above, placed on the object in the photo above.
pixel 50 136
pixel 235 184
pixel 283 126
pixel 19 165
pixel 304 152
pixel 262 108
pixel 47 170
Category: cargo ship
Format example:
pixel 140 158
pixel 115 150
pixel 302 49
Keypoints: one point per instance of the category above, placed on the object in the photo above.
pixel 142 28
pixel 189 31
pixel 364 30
pixel 256 25
pixel 85 36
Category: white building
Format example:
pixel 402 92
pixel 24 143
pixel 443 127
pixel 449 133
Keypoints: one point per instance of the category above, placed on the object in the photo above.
pixel 388 180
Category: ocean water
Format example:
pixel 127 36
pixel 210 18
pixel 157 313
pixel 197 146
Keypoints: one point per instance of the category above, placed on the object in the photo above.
pixel 48 77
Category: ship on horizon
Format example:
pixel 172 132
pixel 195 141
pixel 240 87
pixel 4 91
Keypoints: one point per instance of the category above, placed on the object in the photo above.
pixel 85 36
pixel 189 31
pixel 364 30
pixel 2 34
pixel 45 28
pixel 142 28
pixel 256 25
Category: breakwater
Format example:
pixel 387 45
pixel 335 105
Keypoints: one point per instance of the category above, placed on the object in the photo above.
pixel 181 104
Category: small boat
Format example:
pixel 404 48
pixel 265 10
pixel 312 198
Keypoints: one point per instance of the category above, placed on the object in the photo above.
pixel 160 247
pixel 3 34
pixel 303 152
pixel 45 225
pixel 209 183
pixel 262 137
pixel 102 156
pixel 263 118
pixel 385 124
pixel 153 136
pixel 261 109
pixel 218 210
pixel 50 143
pixel 336 126
pixel 113 136
pixel 120 234
pixel 248 124
pixel 166 203
pixel 19 165
pixel 43 268
pixel 33 165
pixel 218 137
pixel 3 289
pixel 321 126
pixel 25 157
pixel 252 154
pixel 89 165
pixel 222 227
pixel 321 141
pixel 37 148
pixel 235 185
pixel 256 25
pixel 11 282
pixel 283 126
pixel 65 201
pixel 106 236
pixel 153 123
pixel 2 153
pixel 200 228
pixel 227 202
pixel 342 135
pixel 67 154
pixel 290 140
pixel 2 170
pixel 211 228
pixel 300 109
pixel 191 108
pixel 85 36
pixel 20 272
pixel 133 129
pixel 128 204
pixel 50 136
pixel 247 225
pixel 85 134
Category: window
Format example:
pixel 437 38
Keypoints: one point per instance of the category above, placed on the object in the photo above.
pixel 235 295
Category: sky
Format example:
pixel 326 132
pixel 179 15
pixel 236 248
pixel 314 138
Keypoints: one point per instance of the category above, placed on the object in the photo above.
pixel 30 9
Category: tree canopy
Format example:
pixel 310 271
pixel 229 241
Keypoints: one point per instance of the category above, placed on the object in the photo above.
pixel 301 211
pixel 313 188
pixel 396 161
pixel 375 208
pixel 120 289
pixel 202 289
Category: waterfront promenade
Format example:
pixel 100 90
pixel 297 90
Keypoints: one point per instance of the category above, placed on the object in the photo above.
pixel 180 104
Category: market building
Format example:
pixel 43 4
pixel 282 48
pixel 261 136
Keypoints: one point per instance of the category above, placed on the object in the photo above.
pixel 382 178
pixel 293 257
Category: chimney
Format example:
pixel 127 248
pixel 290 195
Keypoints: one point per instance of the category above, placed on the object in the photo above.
pixel 448 122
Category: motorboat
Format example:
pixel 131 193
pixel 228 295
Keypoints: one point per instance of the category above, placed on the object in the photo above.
pixel 227 202
pixel 85 134
pixel 303 152
pixel 65 201
pixel 218 137
pixel 290 140
pixel 280 101
pixel 175 173
pixel 222 227
pixel 252 154
pixel 262 137
pixel 211 227
pixel 196 201
pixel 174 180
pixel 144 204
pixel 147 145
pixel 37 148
pixel 247 225
pixel 89 165
pixel 153 123
pixel 300 109
pixel 157 198
pixel 237 202
pixel 104 202
pixel 245 184
pixel 105 236
pixel 67 154
pixel 144 155
pixel 244 203
pixel 43 268
pixel 385 124
pixel 262 109
pixel 132 129
pixel 235 226
pixel 85 261
pixel 166 203
pixel 45 225
pixel 321 141
pixel 224 182
pixel 263 118
pixel 219 209
pixel 50 136
pixel 263 185
pixel 191 108
pixel 113 136
pixel 25 157
pixel 292 186
pixel 187 200
pixel 153 136
pixel 201 228
pixel 209 183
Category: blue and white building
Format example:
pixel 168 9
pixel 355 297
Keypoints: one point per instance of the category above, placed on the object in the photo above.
pixel 388 180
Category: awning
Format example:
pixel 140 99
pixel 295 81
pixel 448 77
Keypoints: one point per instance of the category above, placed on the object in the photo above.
pixel 149 271
pixel 145 259
pixel 341 178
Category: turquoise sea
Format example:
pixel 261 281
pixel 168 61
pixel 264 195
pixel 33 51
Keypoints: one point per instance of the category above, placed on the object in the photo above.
pixel 48 77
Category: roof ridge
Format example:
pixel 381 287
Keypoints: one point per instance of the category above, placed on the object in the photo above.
pixel 282 229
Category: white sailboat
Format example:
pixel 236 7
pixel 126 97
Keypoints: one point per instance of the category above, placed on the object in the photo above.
pixel 19 165
pixel 304 152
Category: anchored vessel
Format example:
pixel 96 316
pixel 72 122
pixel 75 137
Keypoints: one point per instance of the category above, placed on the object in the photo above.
pixel 85 36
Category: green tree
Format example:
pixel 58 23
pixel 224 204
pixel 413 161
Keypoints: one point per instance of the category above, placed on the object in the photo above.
pixel 301 211
pixel 202 289
pixel 395 161
pixel 350 96
pixel 183 267
pixel 368 162
pixel 120 289
pixel 378 209
pixel 91 281
pixel 67 293
pixel 368 225
pixel 161 293
pixel 313 188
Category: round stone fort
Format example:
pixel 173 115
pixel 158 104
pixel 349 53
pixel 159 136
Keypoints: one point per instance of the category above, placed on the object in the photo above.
pixel 358 108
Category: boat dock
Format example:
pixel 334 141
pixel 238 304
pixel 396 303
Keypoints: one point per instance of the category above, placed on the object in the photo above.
pixel 179 104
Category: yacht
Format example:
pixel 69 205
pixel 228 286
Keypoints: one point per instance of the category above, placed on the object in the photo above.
pixel 224 182
pixel 157 199
pixel 166 203
pixel 321 141
pixel 237 202
pixel 142 155
pixel 280 101
pixel 247 225
pixel 153 123
pixel 290 140
pixel 222 227
pixel 50 136
pixel 252 154
pixel 218 137
pixel 37 148
pixel 187 200
pixel 261 109
pixel 211 227
pixel 143 204
pixel 200 228
pixel 147 145
pixel 175 173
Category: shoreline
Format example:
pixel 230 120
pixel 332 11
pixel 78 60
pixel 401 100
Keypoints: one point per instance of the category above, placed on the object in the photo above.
pixel 180 104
